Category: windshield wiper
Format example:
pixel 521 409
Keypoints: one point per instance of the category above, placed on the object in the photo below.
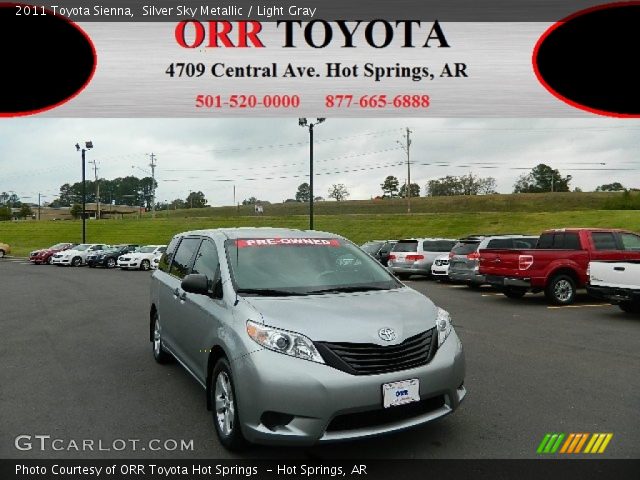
pixel 347 289
pixel 269 292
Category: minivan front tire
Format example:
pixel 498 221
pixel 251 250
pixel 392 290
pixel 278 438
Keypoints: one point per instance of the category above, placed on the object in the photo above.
pixel 226 417
pixel 159 353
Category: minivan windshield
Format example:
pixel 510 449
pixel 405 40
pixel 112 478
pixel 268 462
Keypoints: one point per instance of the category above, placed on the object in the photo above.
pixel 303 266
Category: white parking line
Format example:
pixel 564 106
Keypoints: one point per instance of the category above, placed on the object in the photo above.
pixel 581 306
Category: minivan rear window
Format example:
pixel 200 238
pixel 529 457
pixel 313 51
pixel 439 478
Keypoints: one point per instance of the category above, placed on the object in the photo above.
pixel 441 246
pixel 465 248
pixel 406 246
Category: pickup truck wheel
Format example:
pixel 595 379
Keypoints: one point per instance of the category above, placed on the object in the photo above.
pixel 76 262
pixel 630 307
pixel 515 292
pixel 561 290
pixel 159 353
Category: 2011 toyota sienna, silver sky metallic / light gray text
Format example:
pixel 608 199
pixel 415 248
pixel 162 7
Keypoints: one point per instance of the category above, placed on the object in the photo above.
pixel 300 337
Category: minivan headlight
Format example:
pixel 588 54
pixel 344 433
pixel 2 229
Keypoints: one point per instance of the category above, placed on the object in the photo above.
pixel 443 324
pixel 282 341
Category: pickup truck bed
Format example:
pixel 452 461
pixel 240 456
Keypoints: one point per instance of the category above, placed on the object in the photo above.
pixel 617 282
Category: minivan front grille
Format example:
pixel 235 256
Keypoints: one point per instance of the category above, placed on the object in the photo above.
pixel 371 359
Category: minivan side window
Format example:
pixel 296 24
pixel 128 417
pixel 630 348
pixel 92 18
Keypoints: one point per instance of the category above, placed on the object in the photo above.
pixel 207 261
pixel 165 260
pixel 604 241
pixel 630 241
pixel 182 259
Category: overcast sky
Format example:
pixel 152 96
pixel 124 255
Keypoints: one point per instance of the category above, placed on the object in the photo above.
pixel 269 158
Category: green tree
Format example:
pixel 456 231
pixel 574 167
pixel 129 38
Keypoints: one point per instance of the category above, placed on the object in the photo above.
pixel 25 211
pixel 76 211
pixel 542 178
pixel 415 190
pixel 390 186
pixel 5 213
pixel 445 186
pixel 339 192
pixel 304 192
pixel 196 200
pixel 611 187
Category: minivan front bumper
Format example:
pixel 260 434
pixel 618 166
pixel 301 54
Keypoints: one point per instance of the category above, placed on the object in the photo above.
pixel 323 404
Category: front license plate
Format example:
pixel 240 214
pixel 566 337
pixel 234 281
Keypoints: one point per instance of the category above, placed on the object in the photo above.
pixel 399 393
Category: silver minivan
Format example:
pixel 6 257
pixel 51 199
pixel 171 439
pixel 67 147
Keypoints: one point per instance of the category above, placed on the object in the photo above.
pixel 301 337
pixel 415 256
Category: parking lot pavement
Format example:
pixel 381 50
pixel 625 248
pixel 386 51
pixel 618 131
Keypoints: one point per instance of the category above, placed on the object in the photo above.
pixel 77 364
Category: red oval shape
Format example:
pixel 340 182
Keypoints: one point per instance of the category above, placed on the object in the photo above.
pixel 579 23
pixel 45 34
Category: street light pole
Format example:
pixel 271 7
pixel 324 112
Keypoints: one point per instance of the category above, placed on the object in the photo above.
pixel 304 123
pixel 88 146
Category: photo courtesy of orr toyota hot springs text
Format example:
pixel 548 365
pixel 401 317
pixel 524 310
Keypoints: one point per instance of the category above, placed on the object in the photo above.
pixel 319 239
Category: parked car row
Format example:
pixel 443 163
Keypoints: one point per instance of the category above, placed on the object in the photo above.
pixel 124 256
pixel 555 263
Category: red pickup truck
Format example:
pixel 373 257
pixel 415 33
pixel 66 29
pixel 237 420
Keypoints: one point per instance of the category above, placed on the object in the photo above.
pixel 558 265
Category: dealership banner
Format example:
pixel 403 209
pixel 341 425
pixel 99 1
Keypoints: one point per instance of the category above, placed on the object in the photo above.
pixel 145 469
pixel 338 59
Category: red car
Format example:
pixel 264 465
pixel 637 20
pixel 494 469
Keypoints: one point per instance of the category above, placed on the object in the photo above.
pixel 558 264
pixel 44 256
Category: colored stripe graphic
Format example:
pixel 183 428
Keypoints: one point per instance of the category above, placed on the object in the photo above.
pixel 573 443
pixel 550 443
pixel 598 442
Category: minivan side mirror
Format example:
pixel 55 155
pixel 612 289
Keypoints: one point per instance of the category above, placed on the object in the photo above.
pixel 196 283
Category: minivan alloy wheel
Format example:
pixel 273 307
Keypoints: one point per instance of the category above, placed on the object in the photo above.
pixel 224 404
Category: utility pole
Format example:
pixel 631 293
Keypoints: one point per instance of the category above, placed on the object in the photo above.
pixel 153 184
pixel 39 206
pixel 406 146
pixel 95 174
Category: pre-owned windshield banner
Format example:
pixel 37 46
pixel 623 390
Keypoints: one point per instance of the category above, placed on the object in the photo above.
pixel 374 59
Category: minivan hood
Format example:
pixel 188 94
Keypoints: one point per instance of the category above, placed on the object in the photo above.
pixel 349 317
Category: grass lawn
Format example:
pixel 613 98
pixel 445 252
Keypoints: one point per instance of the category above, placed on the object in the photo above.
pixel 24 236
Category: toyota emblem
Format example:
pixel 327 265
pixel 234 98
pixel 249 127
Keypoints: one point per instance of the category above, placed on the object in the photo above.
pixel 387 334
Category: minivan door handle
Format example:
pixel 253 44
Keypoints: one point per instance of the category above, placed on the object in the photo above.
pixel 619 269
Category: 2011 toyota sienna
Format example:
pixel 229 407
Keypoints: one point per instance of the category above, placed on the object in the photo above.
pixel 300 337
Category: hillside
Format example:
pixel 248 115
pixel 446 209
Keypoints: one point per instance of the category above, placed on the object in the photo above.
pixel 526 202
